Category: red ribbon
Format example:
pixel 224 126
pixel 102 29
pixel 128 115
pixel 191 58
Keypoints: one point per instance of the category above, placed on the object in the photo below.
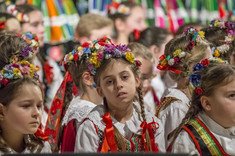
pixel 2 24
pixel 137 34
pixel 48 71
pixel 109 132
pixel 167 67
pixel 40 134
pixel 150 128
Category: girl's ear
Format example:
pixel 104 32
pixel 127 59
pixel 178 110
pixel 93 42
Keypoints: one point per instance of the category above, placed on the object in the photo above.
pixel 120 25
pixel 138 81
pixel 2 109
pixel 99 91
pixel 87 79
pixel 205 102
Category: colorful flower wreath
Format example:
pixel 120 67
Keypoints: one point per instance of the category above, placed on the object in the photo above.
pixel 99 50
pixel 116 7
pixel 28 51
pixel 168 62
pixel 16 71
pixel 19 16
pixel 195 77
pixel 230 29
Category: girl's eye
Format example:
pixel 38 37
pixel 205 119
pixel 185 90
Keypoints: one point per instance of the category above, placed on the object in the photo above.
pixel 125 77
pixel 232 95
pixel 108 82
pixel 26 106
pixel 39 106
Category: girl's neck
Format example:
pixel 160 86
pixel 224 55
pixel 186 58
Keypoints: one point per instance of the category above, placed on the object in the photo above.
pixel 182 86
pixel 14 140
pixel 122 39
pixel 91 98
pixel 122 114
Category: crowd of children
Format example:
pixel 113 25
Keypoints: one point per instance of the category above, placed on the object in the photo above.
pixel 126 87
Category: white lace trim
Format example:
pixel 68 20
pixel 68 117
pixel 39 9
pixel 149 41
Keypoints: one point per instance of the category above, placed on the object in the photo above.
pixel 133 124
pixel 78 109
pixel 172 92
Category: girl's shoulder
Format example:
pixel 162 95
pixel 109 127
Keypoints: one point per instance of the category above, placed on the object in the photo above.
pixel 78 109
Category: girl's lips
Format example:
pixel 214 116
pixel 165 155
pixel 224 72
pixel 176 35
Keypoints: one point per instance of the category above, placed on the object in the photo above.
pixel 121 94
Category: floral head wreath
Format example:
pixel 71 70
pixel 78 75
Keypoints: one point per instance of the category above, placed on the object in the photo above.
pixel 17 70
pixel 230 29
pixel 195 77
pixel 99 50
pixel 28 51
pixel 168 62
pixel 116 7
pixel 2 23
pixel 19 16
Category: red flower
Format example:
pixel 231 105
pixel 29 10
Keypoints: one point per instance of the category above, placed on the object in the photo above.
pixel 75 57
pixel 137 34
pixel 160 67
pixel 5 81
pixel 102 43
pixel 2 24
pixel 138 63
pixel 199 91
pixel 36 38
pixel 85 44
pixel 205 62
pixel 176 60
pixel 162 57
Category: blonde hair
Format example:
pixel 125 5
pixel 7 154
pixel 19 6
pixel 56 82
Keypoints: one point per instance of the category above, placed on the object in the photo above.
pixel 139 50
pixel 197 53
pixel 89 22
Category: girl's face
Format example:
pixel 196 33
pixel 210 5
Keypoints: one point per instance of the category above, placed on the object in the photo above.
pixel 13 25
pixel 221 106
pixel 35 25
pixel 136 20
pixel 118 85
pixel 146 70
pixel 23 113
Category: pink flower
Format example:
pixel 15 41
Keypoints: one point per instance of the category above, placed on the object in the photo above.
pixel 176 59
pixel 199 91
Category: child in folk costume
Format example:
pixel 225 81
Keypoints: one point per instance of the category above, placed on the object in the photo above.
pixel 21 104
pixel 209 126
pixel 181 54
pixel 75 109
pixel 120 124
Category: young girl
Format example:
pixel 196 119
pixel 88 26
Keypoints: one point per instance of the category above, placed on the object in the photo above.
pixel 180 55
pixel 127 16
pixel 75 109
pixel 49 72
pixel 155 38
pixel 143 54
pixel 8 23
pixel 221 35
pixel 121 124
pixel 21 103
pixel 208 127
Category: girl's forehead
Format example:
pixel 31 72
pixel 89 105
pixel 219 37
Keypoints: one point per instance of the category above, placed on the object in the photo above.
pixel 116 65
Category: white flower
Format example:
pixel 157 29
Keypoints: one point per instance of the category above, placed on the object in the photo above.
pixel 108 56
pixel 223 48
pixel 182 54
pixel 171 62
pixel 97 46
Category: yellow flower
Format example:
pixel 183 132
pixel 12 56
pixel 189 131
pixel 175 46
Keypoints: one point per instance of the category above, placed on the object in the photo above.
pixel 130 57
pixel 164 62
pixel 216 53
pixel 216 24
pixel 80 48
pixel 24 62
pixel 202 34
pixel 94 60
pixel 16 71
pixel 97 65
pixel 71 57
pixel 219 60
pixel 177 52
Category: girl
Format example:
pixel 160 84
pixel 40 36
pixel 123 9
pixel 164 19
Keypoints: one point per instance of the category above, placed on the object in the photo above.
pixel 208 127
pixel 126 16
pixel 221 35
pixel 49 72
pixel 75 109
pixel 143 54
pixel 21 102
pixel 121 124
pixel 155 38
pixel 8 23
pixel 180 55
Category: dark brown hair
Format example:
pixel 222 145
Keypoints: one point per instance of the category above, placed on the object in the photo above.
pixel 212 77
pixel 9 45
pixel 7 94
pixel 151 36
